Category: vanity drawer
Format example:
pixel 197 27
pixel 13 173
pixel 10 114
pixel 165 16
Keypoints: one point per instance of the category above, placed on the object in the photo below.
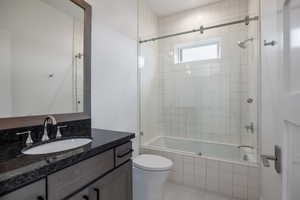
pixel 123 153
pixel 67 181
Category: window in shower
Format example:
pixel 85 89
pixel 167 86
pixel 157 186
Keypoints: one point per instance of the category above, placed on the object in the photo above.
pixel 198 51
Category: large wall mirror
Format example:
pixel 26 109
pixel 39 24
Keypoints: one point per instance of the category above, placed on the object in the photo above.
pixel 44 57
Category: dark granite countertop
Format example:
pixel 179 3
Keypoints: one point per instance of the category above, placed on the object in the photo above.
pixel 18 170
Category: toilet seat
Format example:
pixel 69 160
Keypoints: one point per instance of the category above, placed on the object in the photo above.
pixel 152 163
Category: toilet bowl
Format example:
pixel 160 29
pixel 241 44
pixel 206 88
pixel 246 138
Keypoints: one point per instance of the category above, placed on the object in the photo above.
pixel 150 172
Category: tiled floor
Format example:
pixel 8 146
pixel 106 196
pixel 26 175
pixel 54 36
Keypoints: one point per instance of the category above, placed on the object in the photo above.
pixel 174 191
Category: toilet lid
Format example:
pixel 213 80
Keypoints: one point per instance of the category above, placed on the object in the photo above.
pixel 152 162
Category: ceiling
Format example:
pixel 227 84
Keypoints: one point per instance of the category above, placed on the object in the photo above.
pixel 66 7
pixel 168 7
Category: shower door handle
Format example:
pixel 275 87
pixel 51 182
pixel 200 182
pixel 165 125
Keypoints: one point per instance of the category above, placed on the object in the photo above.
pixel 277 159
pixel 272 43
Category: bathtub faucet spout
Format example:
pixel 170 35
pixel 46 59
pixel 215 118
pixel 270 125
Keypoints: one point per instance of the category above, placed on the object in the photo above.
pixel 245 146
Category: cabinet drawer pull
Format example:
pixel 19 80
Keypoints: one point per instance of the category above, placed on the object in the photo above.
pixel 85 197
pixel 97 192
pixel 40 198
pixel 125 154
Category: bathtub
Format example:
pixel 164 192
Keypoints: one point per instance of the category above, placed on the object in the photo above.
pixel 215 167
pixel 220 151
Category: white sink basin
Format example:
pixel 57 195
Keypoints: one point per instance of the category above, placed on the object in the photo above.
pixel 57 146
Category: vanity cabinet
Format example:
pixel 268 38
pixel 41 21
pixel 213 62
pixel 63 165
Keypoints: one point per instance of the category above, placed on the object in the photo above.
pixel 34 191
pixel 67 181
pixel 117 185
pixel 105 176
pixel 114 186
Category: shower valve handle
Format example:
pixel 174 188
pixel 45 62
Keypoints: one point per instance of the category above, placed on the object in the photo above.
pixel 272 43
pixel 250 127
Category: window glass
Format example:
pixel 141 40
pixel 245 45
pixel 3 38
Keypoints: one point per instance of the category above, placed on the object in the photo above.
pixel 198 52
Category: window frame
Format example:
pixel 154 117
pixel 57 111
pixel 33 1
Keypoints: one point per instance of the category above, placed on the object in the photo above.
pixel 200 43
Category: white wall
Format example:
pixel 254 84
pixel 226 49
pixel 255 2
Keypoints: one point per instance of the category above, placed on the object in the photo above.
pixel 5 74
pixel 114 64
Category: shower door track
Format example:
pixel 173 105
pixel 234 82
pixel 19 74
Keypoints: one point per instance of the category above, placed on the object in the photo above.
pixel 246 20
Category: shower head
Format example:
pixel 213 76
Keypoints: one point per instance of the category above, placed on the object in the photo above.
pixel 242 44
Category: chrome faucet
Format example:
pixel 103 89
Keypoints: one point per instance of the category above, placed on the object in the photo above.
pixel 49 120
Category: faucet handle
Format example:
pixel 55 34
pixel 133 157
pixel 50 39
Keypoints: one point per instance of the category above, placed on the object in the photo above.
pixel 29 140
pixel 58 135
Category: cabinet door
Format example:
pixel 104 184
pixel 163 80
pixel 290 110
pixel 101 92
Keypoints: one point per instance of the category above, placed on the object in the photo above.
pixel 34 191
pixel 115 186
pixel 83 195
pixel 65 182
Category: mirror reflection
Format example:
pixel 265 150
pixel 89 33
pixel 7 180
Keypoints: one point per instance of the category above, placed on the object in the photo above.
pixel 41 57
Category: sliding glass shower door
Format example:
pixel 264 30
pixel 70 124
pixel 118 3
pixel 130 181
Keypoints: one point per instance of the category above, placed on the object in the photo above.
pixel 200 86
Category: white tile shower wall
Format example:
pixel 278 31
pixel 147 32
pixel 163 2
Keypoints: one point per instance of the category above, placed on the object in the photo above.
pixel 229 179
pixel 202 100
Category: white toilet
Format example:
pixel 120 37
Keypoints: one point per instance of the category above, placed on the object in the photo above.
pixel 150 172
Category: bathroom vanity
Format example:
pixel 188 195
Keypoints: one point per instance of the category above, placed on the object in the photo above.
pixel 99 170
